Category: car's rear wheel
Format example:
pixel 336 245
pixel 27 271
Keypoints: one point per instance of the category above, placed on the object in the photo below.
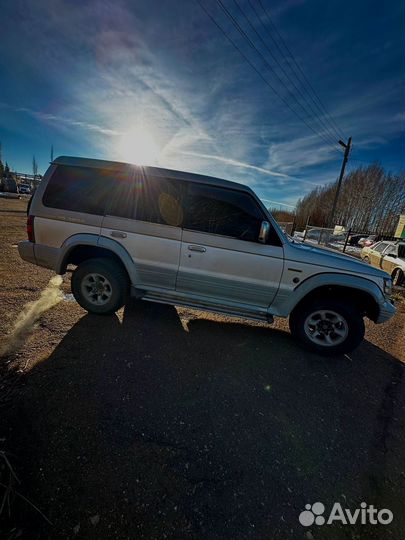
pixel 328 327
pixel 366 260
pixel 397 277
pixel 100 286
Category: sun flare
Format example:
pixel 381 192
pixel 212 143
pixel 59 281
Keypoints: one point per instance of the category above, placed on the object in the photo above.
pixel 137 145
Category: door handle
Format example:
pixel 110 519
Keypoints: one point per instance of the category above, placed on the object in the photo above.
pixel 118 234
pixel 201 249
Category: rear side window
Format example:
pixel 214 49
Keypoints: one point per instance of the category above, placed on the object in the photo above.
pixel 155 200
pixel 80 189
pixel 223 211
pixel 393 250
pixel 380 247
pixel 160 200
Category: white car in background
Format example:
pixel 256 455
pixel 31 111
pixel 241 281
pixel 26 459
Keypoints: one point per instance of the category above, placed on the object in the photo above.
pixel 24 189
pixel 389 256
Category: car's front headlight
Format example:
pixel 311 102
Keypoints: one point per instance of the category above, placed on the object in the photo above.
pixel 387 286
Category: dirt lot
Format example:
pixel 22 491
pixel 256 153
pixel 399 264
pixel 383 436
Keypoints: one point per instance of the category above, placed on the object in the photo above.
pixel 164 423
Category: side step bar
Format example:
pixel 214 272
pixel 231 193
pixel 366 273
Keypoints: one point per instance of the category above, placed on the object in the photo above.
pixel 162 298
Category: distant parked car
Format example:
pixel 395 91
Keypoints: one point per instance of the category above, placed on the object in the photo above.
pixel 368 240
pixel 318 235
pixel 298 236
pixel 338 238
pixel 354 239
pixel 324 236
pixel 24 189
pixel 389 256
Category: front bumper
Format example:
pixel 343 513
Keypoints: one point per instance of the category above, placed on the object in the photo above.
pixel 387 310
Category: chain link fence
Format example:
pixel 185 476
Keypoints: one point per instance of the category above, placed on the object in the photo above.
pixel 339 240
pixel 345 241
pixel 327 237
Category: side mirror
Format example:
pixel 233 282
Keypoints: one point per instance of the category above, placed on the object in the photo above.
pixel 264 232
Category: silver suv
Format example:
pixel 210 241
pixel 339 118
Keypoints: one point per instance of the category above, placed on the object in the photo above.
pixel 191 240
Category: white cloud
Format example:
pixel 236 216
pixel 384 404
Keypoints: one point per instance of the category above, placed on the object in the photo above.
pixel 293 156
pixel 236 163
pixel 58 120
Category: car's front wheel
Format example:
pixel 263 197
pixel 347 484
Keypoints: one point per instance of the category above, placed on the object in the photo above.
pixel 100 286
pixel 328 327
pixel 397 277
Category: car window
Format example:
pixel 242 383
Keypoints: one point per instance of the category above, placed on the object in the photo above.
pixel 225 212
pixel 155 200
pixel 160 200
pixel 393 250
pixel 81 189
pixel 122 201
pixel 379 247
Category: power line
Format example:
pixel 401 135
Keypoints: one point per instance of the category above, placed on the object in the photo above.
pixel 301 80
pixel 323 126
pixel 269 66
pixel 299 69
pixel 256 70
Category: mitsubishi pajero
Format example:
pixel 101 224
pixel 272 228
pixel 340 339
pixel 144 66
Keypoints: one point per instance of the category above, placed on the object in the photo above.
pixel 185 239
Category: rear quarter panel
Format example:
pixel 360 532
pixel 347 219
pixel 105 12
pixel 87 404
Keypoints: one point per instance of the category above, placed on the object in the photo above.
pixel 52 226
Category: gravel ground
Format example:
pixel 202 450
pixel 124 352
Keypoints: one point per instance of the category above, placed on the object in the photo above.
pixel 171 423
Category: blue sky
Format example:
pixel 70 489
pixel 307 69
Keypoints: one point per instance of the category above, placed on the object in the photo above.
pixel 158 82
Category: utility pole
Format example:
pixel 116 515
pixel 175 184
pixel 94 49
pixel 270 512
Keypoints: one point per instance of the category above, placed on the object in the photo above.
pixel 347 148
pixel 34 167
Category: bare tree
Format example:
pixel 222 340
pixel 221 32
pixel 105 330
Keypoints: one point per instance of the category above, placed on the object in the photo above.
pixel 371 200
pixel 34 167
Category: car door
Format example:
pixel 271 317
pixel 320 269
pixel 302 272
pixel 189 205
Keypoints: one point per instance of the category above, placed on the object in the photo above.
pixel 221 258
pixel 389 259
pixel 145 216
pixel 375 253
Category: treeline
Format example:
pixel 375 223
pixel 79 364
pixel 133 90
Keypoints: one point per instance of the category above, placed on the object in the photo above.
pixel 370 200
pixel 8 181
pixel 282 216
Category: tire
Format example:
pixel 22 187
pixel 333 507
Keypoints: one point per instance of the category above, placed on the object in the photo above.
pixel 338 331
pixel 397 277
pixel 100 286
pixel 366 260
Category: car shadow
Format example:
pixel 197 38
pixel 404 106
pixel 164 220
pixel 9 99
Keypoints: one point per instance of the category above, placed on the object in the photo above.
pixel 157 427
